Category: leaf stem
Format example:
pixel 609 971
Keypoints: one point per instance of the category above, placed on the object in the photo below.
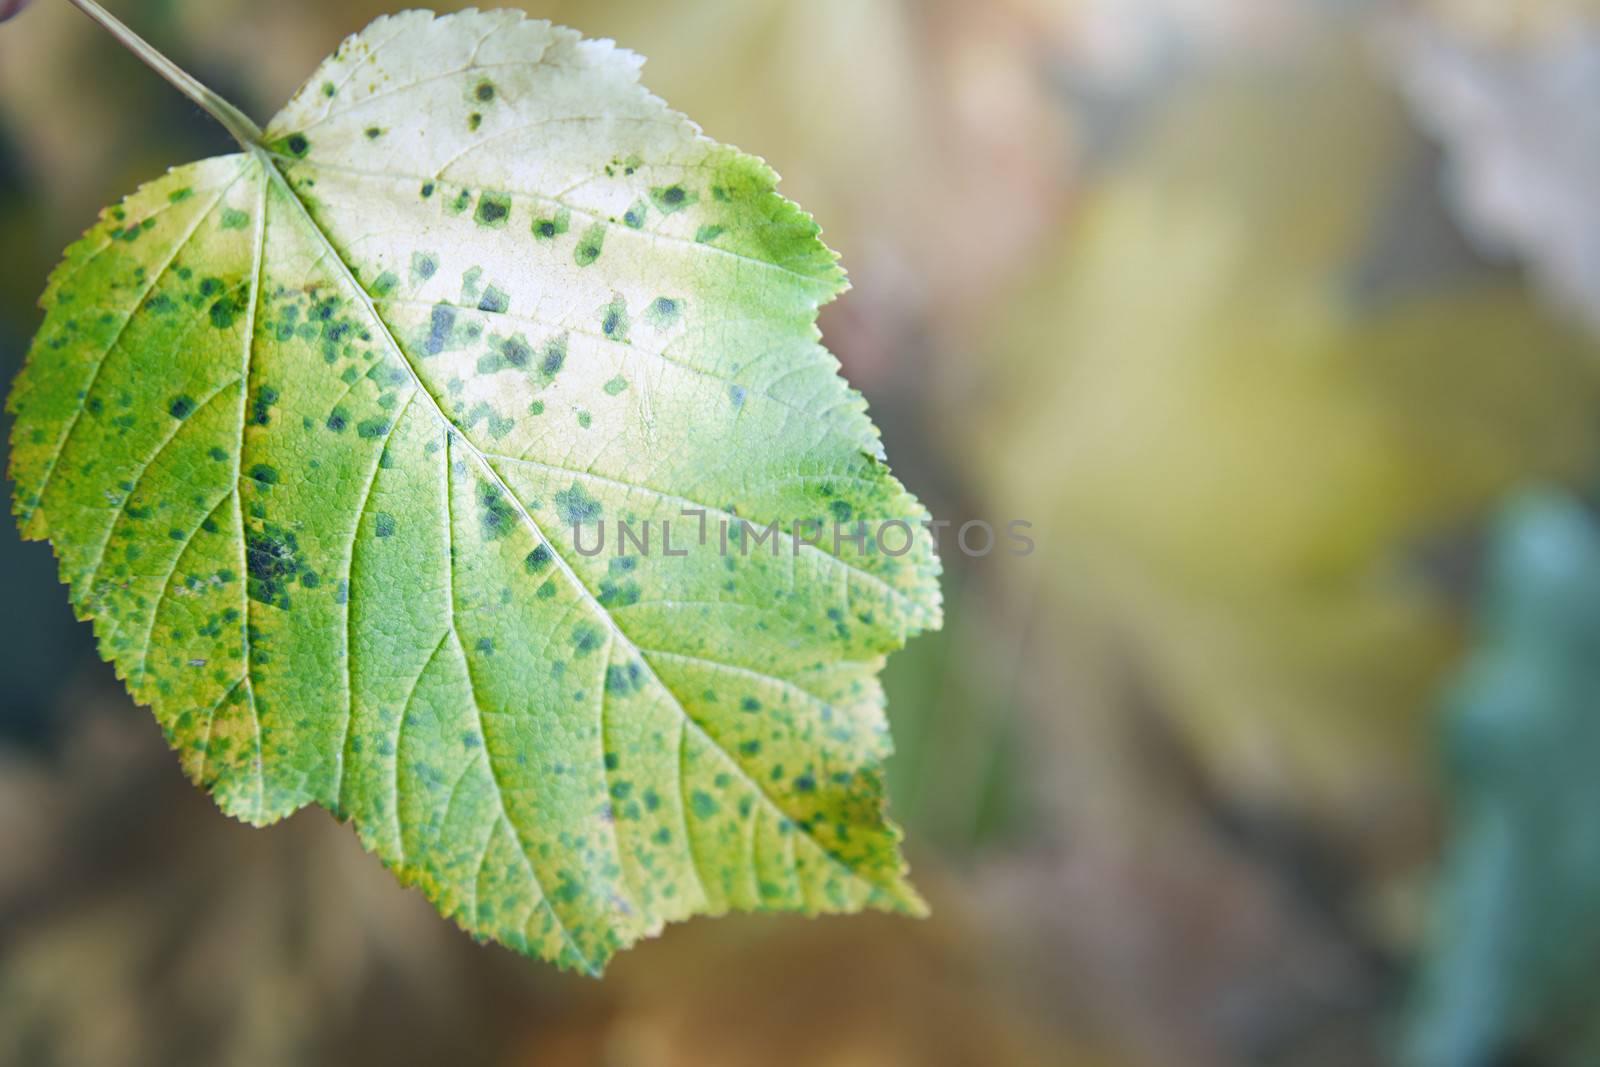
pixel 236 122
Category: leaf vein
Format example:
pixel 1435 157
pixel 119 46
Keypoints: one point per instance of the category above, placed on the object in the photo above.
pixel 483 735
pixel 889 591
pixel 349 597
pixel 811 280
pixel 116 338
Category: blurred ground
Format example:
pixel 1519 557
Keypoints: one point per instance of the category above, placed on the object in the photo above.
pixel 1258 311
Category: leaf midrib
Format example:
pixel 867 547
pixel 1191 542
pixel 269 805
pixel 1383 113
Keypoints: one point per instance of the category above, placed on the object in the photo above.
pixel 272 173
pixel 259 262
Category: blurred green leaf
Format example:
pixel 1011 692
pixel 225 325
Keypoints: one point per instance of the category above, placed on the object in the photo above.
pixel 1515 953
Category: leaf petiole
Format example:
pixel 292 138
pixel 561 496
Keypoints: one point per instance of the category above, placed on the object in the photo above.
pixel 236 122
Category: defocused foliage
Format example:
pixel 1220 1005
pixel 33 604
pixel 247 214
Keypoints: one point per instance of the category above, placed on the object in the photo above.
pixel 1228 299
pixel 141 928
pixel 1262 401
pixel 1515 951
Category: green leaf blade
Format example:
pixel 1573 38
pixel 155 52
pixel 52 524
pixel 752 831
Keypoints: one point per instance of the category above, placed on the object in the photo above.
pixel 485 298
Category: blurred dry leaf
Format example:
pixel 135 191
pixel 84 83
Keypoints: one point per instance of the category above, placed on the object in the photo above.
pixel 1254 446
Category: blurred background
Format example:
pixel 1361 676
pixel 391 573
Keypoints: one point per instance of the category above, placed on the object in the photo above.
pixel 1280 322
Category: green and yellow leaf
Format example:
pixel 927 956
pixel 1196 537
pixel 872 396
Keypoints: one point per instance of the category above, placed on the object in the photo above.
pixel 316 429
